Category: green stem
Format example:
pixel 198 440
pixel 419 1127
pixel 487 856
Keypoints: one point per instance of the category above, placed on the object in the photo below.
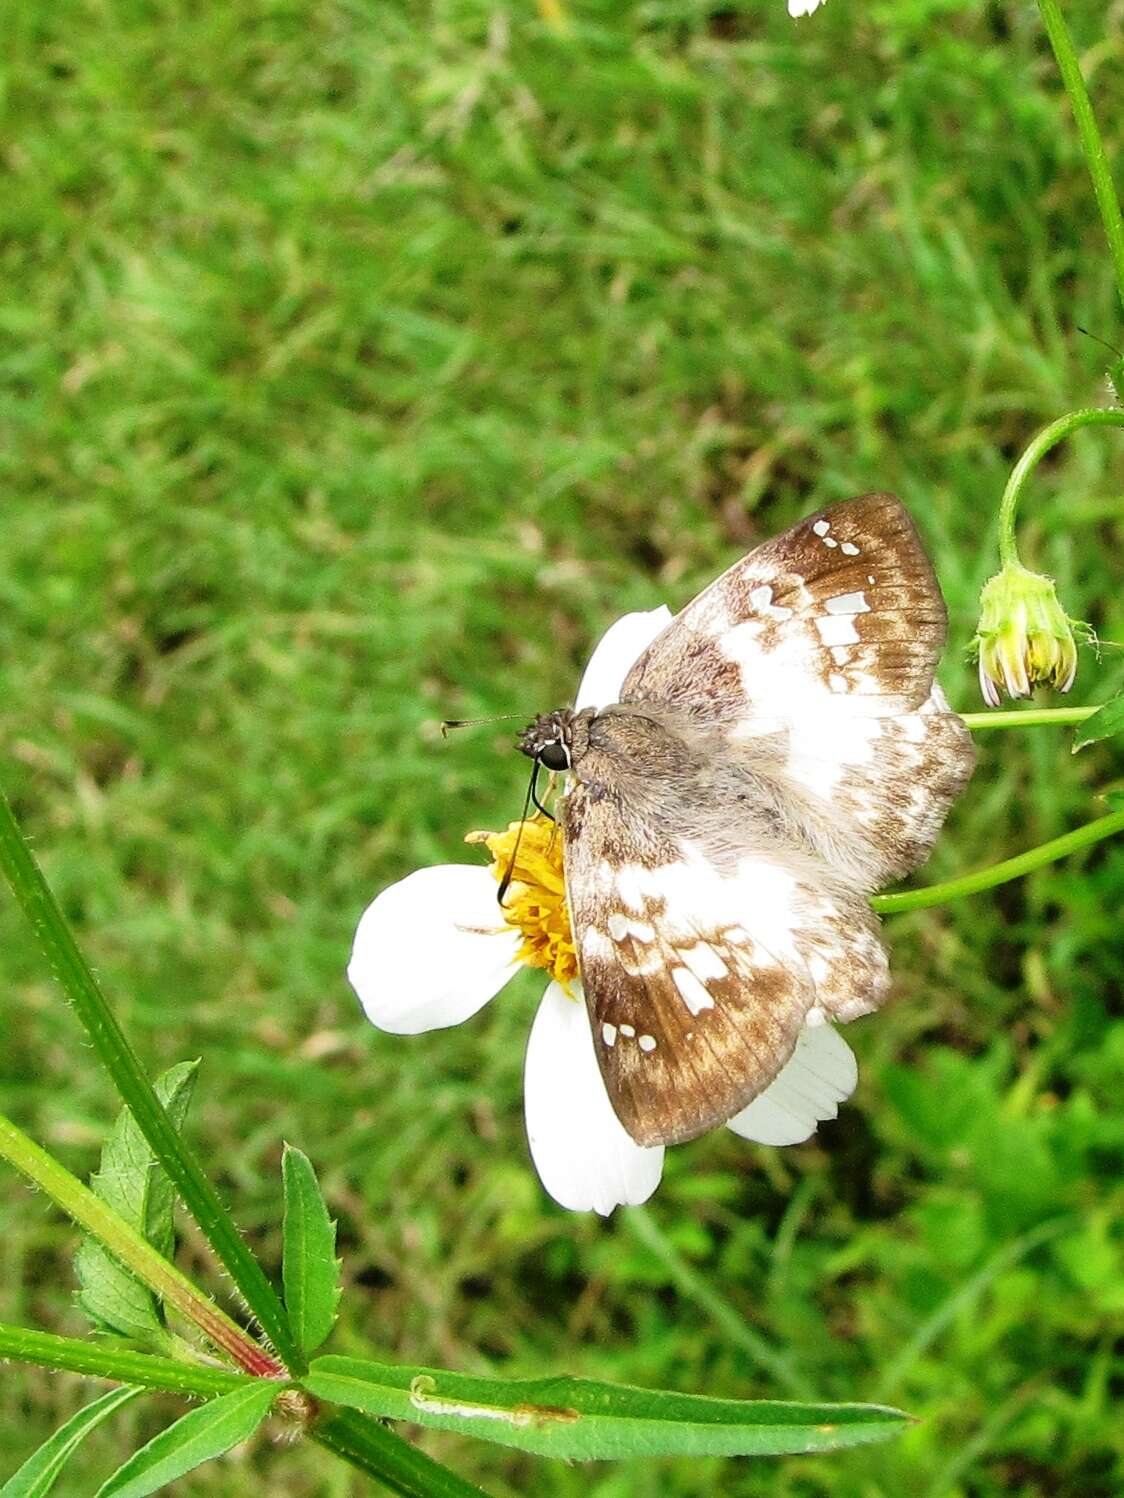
pixel 1027 717
pixel 402 1468
pixel 132 1250
pixel 22 1345
pixel 1001 873
pixel 1039 446
pixel 117 1055
pixel 1096 159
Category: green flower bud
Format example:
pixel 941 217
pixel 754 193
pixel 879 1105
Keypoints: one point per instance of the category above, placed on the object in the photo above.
pixel 1024 638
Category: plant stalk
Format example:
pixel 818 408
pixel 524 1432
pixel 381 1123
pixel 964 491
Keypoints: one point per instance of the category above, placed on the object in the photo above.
pixel 1027 717
pixel 23 1345
pixel 1096 158
pixel 1039 446
pixel 1001 873
pixel 133 1251
pixel 120 1060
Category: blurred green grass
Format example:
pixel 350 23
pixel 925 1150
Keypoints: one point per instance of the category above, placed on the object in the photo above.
pixel 358 364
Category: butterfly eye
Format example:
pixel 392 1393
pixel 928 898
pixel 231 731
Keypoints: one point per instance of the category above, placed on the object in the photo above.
pixel 555 756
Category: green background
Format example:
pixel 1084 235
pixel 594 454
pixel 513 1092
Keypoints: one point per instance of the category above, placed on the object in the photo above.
pixel 359 363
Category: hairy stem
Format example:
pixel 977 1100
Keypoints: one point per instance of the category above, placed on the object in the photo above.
pixel 120 1060
pixel 133 1251
pixel 1037 449
pixel 22 1345
pixel 1096 158
pixel 1001 873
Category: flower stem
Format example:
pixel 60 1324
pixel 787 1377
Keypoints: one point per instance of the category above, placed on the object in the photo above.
pixel 133 1251
pixel 368 1445
pixel 1092 145
pixel 1028 717
pixel 1001 873
pixel 120 1060
pixel 1039 446
pixel 22 1345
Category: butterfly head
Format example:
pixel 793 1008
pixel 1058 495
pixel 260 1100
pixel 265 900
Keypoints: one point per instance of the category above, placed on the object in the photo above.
pixel 549 739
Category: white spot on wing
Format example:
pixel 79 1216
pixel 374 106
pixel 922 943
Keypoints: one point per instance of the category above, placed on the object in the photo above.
pixel 848 603
pixel 630 885
pixel 836 682
pixel 692 992
pixel 830 541
pixel 703 961
pixel 647 1042
pixel 609 1034
pixel 837 629
pixel 596 944
pixel 822 527
pixel 840 654
pixel 628 1031
pixel 849 549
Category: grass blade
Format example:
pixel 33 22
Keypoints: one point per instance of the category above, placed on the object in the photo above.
pixel 578 1418
pixel 370 1447
pixel 37 1476
pixel 311 1269
pixel 198 1437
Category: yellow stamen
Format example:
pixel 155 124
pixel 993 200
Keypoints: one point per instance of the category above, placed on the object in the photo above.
pixel 535 902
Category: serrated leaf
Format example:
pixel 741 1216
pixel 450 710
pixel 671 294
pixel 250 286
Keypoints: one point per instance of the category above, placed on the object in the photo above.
pixel 310 1269
pixel 579 1418
pixel 135 1186
pixel 1105 722
pixel 37 1476
pixel 198 1437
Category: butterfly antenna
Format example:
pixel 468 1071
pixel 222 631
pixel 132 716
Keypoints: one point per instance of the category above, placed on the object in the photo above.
pixel 447 724
pixel 505 882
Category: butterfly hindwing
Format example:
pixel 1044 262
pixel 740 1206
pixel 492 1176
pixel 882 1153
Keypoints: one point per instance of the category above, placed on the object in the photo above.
pixel 814 657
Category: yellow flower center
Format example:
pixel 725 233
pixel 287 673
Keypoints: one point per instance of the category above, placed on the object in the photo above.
pixel 535 902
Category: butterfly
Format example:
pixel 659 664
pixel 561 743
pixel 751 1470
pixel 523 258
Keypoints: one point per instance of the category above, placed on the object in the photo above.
pixel 779 752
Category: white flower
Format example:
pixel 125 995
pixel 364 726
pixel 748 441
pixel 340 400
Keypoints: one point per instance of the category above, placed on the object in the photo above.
pixel 431 951
pixel 803 7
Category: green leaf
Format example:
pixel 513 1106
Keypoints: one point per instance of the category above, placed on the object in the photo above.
pixel 580 1418
pixel 134 1185
pixel 37 1475
pixel 198 1437
pixel 1115 800
pixel 1105 722
pixel 310 1267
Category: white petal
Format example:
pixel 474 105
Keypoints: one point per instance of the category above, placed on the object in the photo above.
pixel 432 949
pixel 583 1156
pixel 820 1073
pixel 614 655
pixel 803 7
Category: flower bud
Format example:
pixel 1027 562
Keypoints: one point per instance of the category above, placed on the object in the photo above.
pixel 1024 638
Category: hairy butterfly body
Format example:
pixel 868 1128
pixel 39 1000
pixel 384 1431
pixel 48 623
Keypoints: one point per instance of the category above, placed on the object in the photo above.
pixel 779 752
